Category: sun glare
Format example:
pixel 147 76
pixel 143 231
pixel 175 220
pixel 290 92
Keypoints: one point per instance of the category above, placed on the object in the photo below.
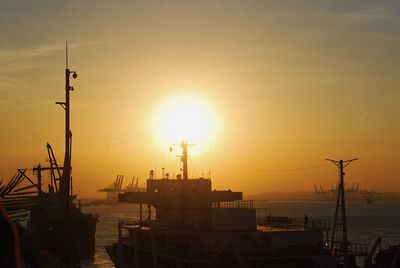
pixel 187 119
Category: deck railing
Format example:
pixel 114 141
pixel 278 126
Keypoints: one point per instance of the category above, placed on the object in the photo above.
pixel 234 204
pixel 293 223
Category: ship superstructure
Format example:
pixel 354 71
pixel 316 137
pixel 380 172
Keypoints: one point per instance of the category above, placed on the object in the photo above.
pixel 196 226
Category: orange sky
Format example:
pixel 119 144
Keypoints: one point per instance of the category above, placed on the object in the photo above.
pixel 292 83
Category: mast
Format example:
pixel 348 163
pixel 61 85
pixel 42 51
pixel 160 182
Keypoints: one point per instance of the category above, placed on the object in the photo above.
pixel 185 181
pixel 184 160
pixel 65 183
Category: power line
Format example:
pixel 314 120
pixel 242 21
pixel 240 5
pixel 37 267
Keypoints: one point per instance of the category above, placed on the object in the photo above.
pixel 272 170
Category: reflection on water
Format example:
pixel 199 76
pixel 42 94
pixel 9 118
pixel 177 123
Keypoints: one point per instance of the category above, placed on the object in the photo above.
pixel 365 222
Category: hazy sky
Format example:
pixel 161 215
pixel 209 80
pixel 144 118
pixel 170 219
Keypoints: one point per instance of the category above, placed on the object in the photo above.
pixel 292 82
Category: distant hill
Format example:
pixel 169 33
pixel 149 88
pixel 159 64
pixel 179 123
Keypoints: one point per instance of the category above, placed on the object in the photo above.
pixel 312 196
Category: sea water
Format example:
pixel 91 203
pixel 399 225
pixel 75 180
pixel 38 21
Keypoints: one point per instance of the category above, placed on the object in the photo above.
pixel 365 221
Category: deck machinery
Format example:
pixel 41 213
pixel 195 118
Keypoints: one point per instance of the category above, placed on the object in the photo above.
pixel 195 226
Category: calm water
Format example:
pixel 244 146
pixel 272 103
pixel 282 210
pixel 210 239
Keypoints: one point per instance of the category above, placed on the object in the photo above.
pixel 365 222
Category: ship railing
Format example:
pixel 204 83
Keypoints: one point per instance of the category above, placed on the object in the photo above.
pixel 138 223
pixel 293 223
pixel 234 204
pixel 125 223
pixel 276 222
pixel 313 223
pixel 354 249
pixel 123 232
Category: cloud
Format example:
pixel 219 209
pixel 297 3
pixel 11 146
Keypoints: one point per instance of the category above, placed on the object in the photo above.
pixel 20 59
pixel 16 62
pixel 16 54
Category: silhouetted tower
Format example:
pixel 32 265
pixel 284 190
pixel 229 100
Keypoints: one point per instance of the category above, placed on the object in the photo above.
pixel 339 242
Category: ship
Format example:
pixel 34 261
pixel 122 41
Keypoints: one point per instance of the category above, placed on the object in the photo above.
pixel 57 232
pixel 185 223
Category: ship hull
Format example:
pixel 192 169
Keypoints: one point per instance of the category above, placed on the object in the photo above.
pixel 72 236
pixel 116 256
pixel 220 249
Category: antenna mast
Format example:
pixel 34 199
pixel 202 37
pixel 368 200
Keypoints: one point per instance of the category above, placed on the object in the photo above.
pixel 184 160
pixel 66 54
pixel 65 183
pixel 339 233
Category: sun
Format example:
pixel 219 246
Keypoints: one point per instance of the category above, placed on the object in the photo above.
pixel 185 118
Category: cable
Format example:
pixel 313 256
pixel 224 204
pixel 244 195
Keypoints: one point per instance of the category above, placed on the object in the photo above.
pixel 273 170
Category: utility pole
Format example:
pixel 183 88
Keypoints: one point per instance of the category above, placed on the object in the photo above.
pixel 340 225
